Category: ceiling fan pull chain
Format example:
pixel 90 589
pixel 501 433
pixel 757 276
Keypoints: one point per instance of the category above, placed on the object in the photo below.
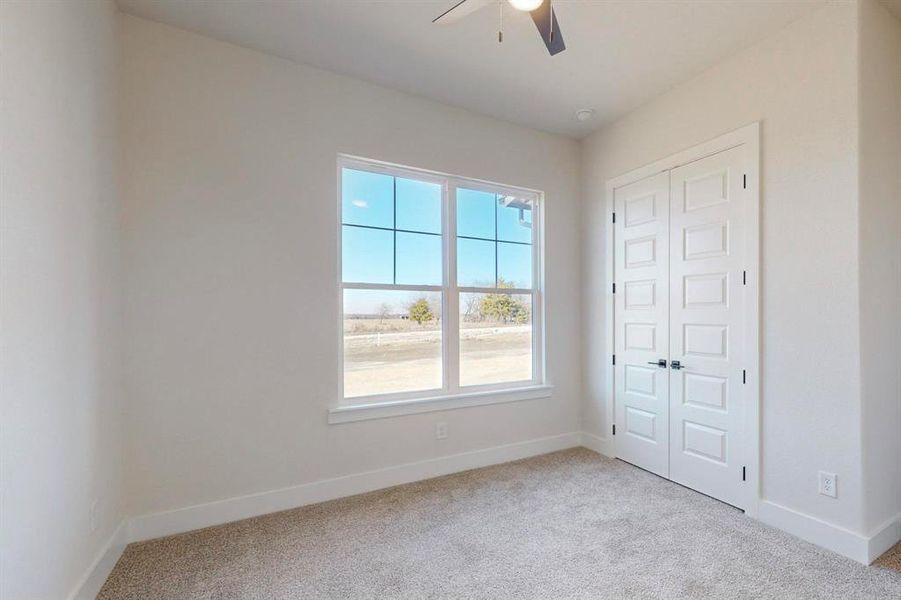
pixel 500 26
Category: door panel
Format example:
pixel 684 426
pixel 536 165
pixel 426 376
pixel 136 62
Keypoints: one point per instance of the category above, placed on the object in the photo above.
pixel 706 326
pixel 641 305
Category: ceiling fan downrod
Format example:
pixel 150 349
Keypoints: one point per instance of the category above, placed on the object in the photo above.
pixel 550 16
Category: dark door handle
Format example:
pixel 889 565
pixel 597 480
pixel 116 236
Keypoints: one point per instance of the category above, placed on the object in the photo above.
pixel 677 365
pixel 660 363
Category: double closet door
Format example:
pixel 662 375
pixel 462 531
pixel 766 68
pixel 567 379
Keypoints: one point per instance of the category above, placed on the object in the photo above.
pixel 679 275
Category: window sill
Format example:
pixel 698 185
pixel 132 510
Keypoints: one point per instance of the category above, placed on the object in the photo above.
pixel 380 410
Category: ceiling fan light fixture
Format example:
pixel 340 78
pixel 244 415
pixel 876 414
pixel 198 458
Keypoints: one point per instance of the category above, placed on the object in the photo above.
pixel 526 5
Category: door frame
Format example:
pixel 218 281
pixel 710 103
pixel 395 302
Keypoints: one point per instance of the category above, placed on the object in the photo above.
pixel 748 137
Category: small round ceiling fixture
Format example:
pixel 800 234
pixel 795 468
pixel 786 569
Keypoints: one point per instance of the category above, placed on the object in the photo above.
pixel 526 5
pixel 584 114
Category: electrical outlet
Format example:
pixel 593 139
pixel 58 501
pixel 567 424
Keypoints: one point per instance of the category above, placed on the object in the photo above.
pixel 828 484
pixel 441 431
pixel 94 508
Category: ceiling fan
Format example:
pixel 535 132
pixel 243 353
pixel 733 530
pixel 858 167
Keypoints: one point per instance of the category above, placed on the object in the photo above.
pixel 541 11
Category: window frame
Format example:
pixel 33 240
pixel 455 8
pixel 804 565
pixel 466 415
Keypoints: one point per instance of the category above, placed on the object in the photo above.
pixel 449 290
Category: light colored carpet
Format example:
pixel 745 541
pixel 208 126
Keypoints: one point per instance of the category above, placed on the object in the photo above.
pixel 891 559
pixel 566 525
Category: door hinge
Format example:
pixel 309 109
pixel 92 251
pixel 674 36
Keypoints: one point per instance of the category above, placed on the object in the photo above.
pixel 744 278
pixel 614 429
pixel 744 473
pixel 744 376
pixel 614 359
pixel 614 288
pixel 614 217
pixel 744 182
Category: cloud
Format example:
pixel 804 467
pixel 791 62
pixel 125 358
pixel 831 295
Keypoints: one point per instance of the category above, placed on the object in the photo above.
pixel 360 203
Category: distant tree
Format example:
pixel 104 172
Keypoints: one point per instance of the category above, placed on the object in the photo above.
pixel 384 311
pixel 471 305
pixel 503 307
pixel 521 313
pixel 498 307
pixel 421 312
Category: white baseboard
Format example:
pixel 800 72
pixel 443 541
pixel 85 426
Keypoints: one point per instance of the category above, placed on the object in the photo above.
pixel 816 531
pixel 598 444
pixel 95 576
pixel 243 507
pixel 887 535
pixel 845 542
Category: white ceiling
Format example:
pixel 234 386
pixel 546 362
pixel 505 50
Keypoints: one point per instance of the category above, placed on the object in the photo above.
pixel 619 53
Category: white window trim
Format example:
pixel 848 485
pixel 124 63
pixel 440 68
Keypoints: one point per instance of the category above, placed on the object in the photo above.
pixel 450 395
pixel 348 413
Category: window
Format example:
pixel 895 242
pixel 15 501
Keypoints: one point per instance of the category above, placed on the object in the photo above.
pixel 439 284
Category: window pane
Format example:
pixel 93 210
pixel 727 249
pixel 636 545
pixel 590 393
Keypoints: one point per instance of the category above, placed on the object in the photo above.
pixel 367 255
pixel 514 219
pixel 475 214
pixel 418 206
pixel 495 338
pixel 392 342
pixel 475 263
pixel 514 265
pixel 418 259
pixel 367 198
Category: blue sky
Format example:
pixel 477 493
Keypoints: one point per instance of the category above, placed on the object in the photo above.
pixel 379 211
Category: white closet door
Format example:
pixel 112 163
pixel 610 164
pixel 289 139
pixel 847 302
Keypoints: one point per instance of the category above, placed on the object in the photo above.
pixel 706 329
pixel 641 338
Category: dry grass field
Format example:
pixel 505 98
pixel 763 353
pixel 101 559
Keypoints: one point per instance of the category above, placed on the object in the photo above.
pixel 397 355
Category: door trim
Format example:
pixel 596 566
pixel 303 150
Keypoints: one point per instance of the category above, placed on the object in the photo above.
pixel 748 137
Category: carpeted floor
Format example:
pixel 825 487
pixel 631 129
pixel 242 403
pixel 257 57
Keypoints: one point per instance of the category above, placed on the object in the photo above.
pixel 566 525
pixel 891 559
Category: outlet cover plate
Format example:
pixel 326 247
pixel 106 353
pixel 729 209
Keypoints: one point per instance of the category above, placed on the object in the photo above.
pixel 828 484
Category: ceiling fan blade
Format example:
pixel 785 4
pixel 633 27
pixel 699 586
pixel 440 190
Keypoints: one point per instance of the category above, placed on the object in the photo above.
pixel 460 10
pixel 553 38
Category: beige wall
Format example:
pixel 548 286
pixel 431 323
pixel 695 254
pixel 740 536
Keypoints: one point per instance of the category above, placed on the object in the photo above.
pixel 880 261
pixel 230 237
pixel 60 448
pixel 801 84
